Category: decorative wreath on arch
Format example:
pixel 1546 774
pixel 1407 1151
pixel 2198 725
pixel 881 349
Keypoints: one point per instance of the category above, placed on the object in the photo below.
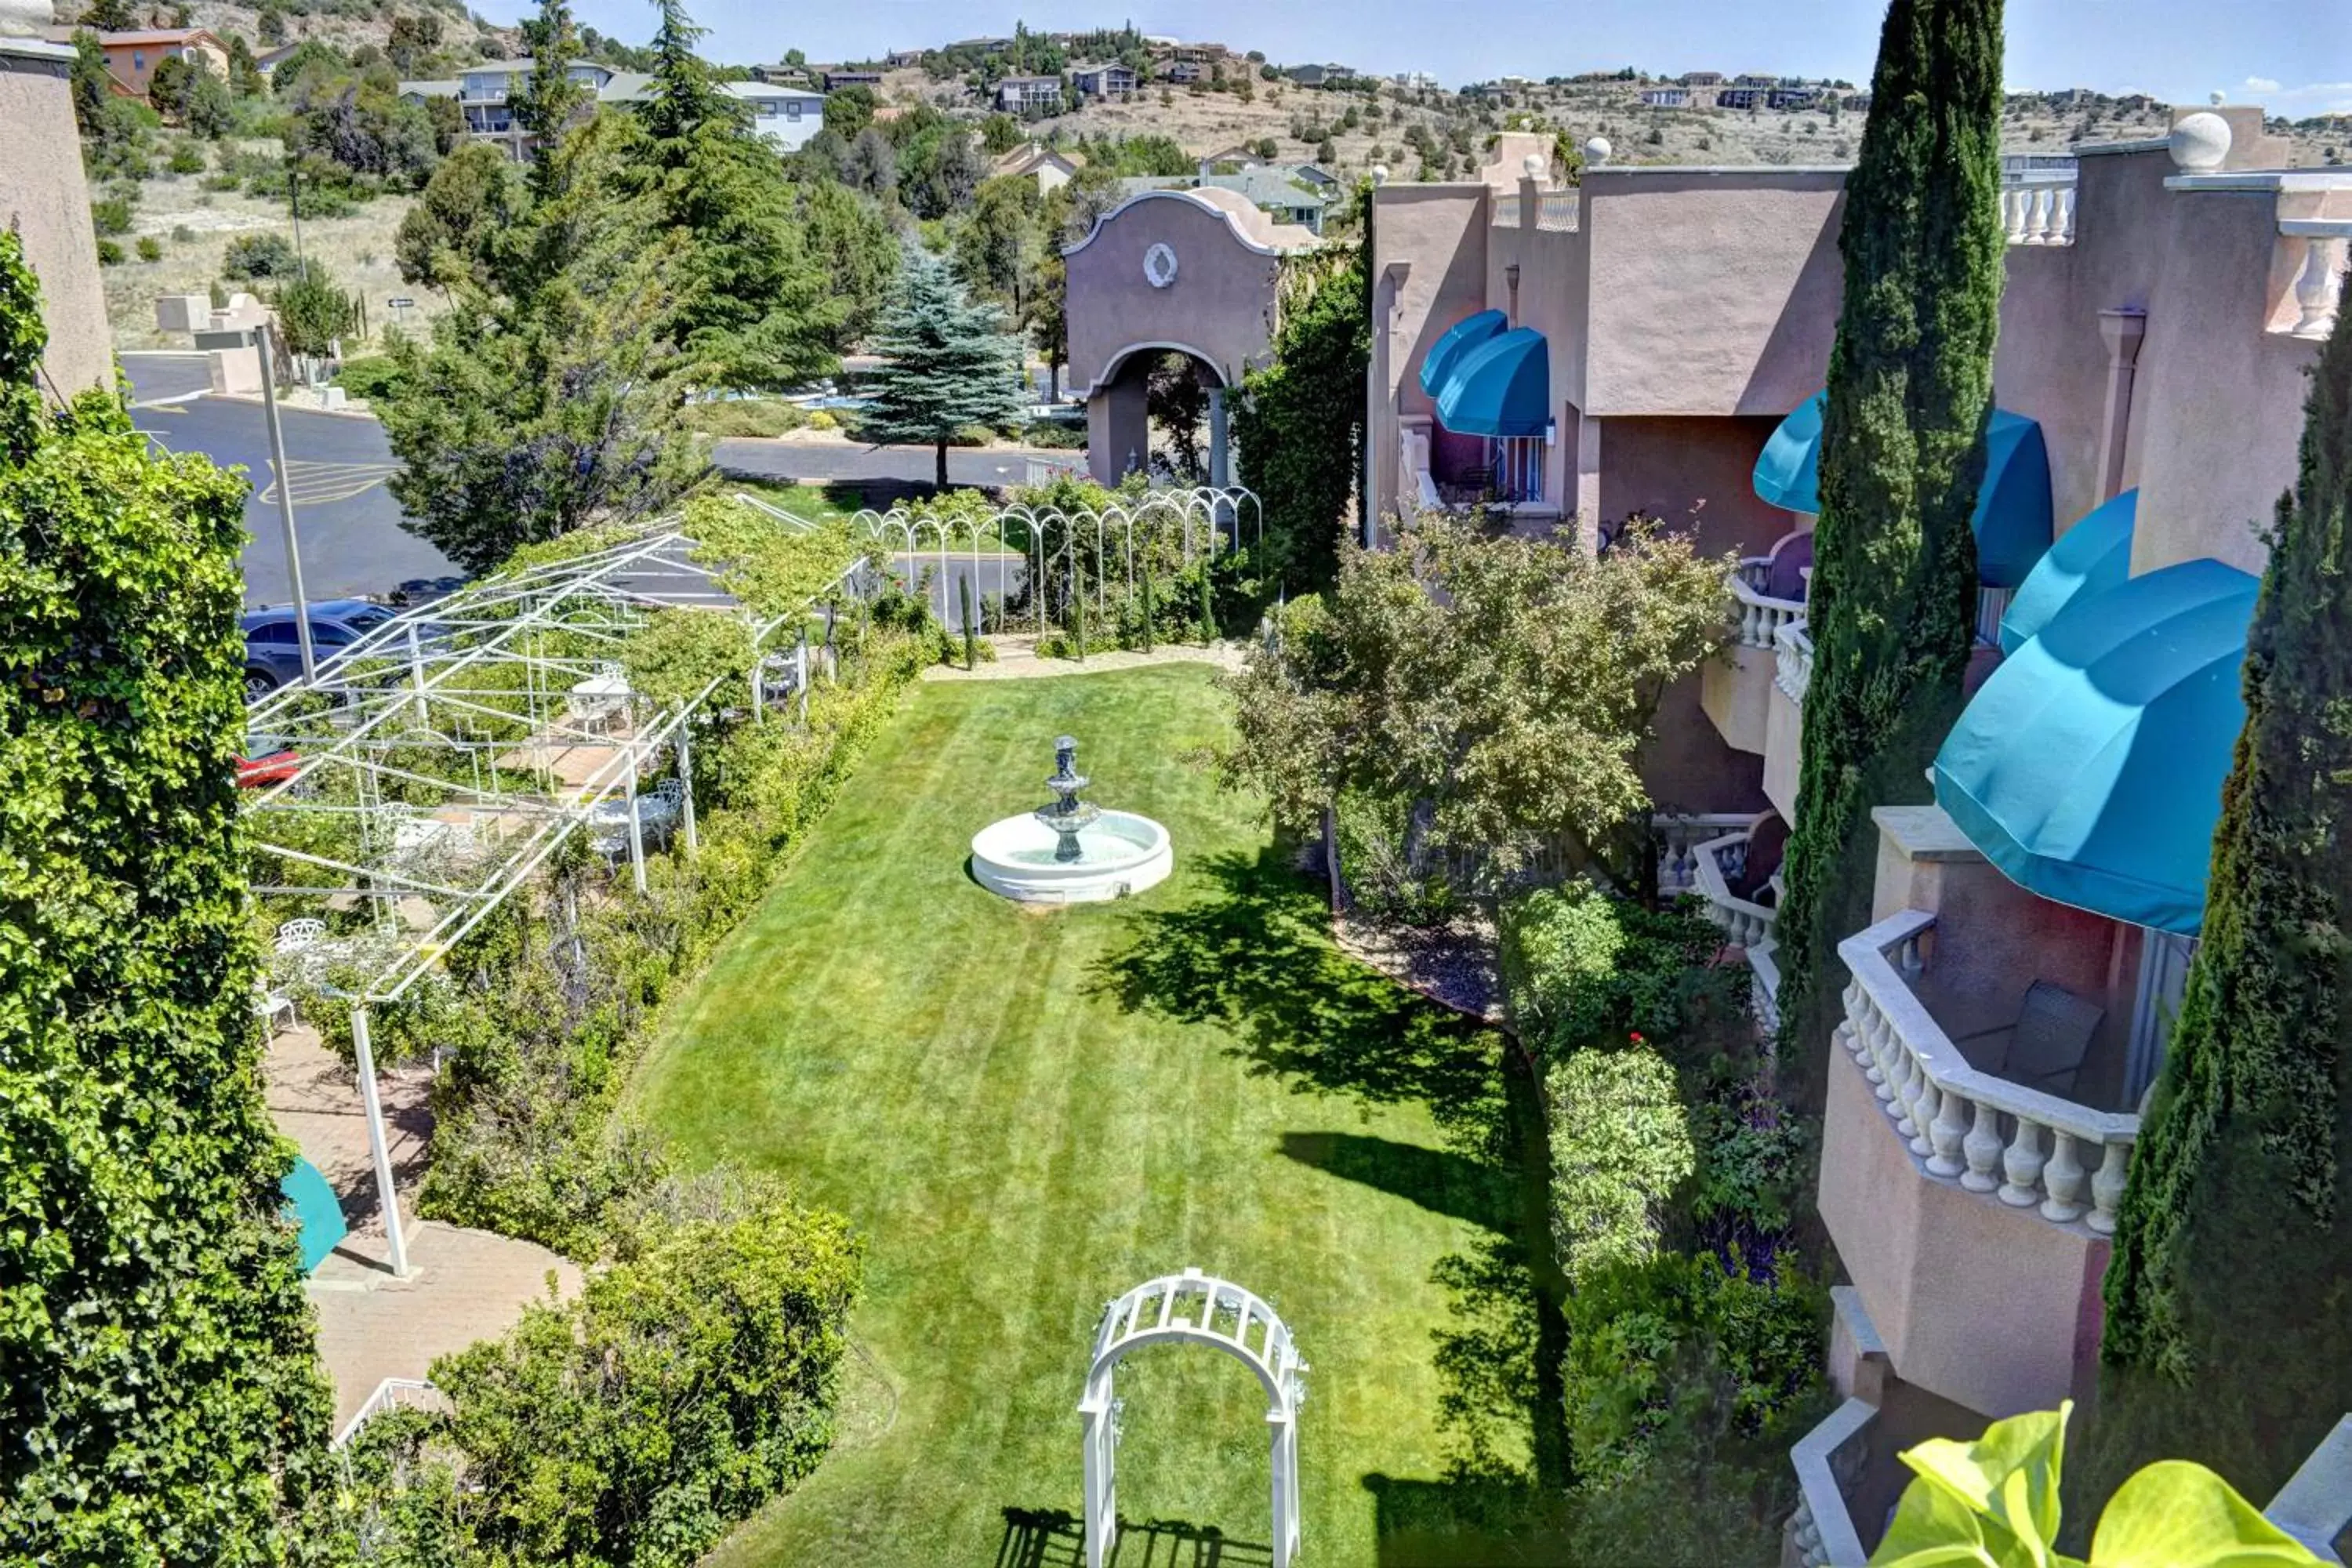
pixel 1160 266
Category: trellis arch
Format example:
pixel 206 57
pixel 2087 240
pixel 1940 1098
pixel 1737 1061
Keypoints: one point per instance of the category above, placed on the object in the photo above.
pixel 1191 1308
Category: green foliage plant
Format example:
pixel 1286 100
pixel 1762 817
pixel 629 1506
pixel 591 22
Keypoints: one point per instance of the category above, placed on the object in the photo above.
pixel 1621 1144
pixel 1994 1503
pixel 1584 967
pixel 1903 453
pixel 162 1395
pixel 971 628
pixel 313 311
pixel 1300 419
pixel 2244 1163
pixel 947 362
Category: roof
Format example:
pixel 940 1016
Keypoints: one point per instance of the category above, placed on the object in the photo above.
pixel 1099 66
pixel 141 37
pixel 1030 82
pixel 1258 185
pixel 1029 159
pixel 428 89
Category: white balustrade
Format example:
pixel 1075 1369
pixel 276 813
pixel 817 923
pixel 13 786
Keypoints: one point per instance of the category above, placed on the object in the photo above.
pixel 1829 1461
pixel 1760 617
pixel 1679 836
pixel 1557 212
pixel 1794 676
pixel 2319 279
pixel 1506 212
pixel 2037 208
pixel 2028 1148
pixel 1717 863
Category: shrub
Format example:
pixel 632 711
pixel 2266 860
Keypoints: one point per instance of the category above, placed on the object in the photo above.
pixel 182 234
pixel 746 416
pixel 1619 1146
pixel 370 377
pixel 150 249
pixel 822 419
pixel 111 215
pixel 1389 869
pixel 110 253
pixel 685 1386
pixel 1054 436
pixel 266 255
pixel 1583 968
pixel 186 160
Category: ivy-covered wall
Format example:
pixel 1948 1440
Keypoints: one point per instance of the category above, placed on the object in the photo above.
pixel 160 1399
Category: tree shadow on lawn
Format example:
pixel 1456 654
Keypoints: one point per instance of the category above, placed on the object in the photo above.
pixel 1256 959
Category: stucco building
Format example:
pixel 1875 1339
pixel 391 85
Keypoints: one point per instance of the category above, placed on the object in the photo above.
pixel 45 199
pixel 131 56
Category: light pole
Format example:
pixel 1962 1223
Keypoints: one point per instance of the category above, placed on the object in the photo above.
pixel 265 350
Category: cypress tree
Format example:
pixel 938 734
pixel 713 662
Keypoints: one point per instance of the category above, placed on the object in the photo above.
pixel 1903 453
pixel 2229 1331
pixel 157 1387
pixel 971 632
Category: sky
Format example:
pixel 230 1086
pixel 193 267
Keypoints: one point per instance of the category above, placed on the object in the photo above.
pixel 2293 57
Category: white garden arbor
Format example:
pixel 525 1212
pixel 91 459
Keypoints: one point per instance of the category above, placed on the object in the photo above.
pixel 1191 1308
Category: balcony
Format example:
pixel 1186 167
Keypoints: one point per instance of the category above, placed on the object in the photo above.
pixel 1784 715
pixel 1768 593
pixel 2037 206
pixel 1736 876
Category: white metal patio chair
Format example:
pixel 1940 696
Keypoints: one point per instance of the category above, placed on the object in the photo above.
pixel 299 935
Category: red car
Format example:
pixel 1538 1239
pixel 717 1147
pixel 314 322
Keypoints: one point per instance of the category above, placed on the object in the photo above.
pixel 254 773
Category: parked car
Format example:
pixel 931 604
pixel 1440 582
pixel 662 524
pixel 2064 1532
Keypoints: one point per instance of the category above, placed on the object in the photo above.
pixel 273 643
pixel 276 767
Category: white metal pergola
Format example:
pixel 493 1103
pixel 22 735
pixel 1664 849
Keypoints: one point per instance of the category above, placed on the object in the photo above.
pixel 440 761
pixel 1191 1308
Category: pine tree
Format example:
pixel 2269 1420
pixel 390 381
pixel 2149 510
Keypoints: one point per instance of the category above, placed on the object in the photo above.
pixel 551 101
pixel 2229 1331
pixel 947 364
pixel 162 1398
pixel 1903 455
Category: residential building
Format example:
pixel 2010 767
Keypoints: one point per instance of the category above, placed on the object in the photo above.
pixel 131 56
pixel 1417 81
pixel 1653 344
pixel 485 92
pixel 1740 97
pixel 785 117
pixel 1030 95
pixel 1700 78
pixel 1316 175
pixel 420 91
pixel 836 78
pixel 1321 75
pixel 1667 97
pixel 1791 98
pixel 1111 80
pixel 1278 192
pixel 900 59
pixel 1052 169
pixel 782 75
pixel 1182 72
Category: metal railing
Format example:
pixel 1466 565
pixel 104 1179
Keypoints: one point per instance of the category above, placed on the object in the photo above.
pixel 392 1393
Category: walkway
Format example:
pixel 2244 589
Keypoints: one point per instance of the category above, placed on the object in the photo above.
pixel 462 1285
pixel 1016 659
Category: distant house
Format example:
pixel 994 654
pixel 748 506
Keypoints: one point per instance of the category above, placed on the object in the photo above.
pixel 1110 81
pixel 1182 71
pixel 1051 169
pixel 1739 97
pixel 1755 79
pixel 1278 192
pixel 1856 103
pixel 1314 174
pixel 1667 97
pixel 485 89
pixel 782 75
pixel 1701 79
pixel 1791 98
pixel 899 59
pixel 131 56
pixel 420 91
pixel 1030 95
pixel 835 78
pixel 1324 75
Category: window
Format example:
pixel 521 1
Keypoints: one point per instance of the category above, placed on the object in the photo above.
pixel 1519 464
pixel 138 61
pixel 793 111
pixel 276 632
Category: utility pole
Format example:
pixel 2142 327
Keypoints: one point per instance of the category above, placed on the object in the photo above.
pixel 267 353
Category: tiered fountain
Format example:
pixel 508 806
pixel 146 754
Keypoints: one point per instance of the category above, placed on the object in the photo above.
pixel 1070 851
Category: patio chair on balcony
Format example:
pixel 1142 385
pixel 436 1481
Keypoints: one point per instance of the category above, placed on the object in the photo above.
pixel 2044 1048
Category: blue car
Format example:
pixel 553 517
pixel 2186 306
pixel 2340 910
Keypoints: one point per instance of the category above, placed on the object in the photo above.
pixel 273 645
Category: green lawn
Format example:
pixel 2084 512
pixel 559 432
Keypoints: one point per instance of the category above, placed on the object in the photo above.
pixel 1027 1112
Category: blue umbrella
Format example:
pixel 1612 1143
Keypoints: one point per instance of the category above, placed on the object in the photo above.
pixel 311 1203
pixel 2089 765
pixel 2012 520
pixel 2089 558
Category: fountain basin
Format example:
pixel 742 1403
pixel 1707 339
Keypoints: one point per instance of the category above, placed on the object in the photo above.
pixel 1119 853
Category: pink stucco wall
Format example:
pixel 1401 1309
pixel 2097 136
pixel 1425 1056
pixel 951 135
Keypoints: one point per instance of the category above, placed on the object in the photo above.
pixel 43 196
pixel 1220 306
pixel 1429 265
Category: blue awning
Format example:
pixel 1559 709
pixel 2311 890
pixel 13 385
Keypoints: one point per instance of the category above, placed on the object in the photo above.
pixel 2089 558
pixel 2012 516
pixel 1501 387
pixel 2089 765
pixel 1460 338
pixel 311 1204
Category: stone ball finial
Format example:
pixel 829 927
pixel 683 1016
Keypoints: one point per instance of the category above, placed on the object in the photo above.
pixel 2199 142
pixel 1379 173
pixel 1535 166
pixel 2217 98
pixel 1597 151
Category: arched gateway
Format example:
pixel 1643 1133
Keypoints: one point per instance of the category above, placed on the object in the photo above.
pixel 1193 271
pixel 1191 1308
